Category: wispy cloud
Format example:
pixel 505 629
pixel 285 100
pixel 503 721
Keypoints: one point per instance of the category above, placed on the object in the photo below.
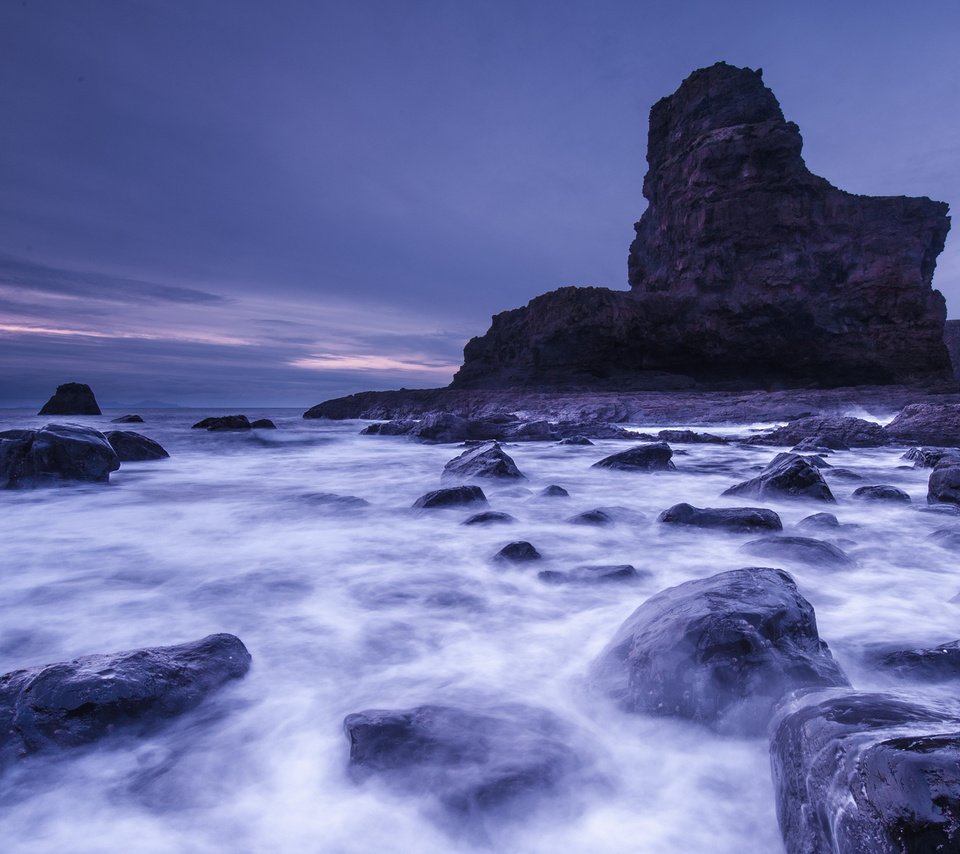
pixel 369 362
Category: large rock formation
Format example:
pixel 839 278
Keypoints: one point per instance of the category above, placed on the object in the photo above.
pixel 71 399
pixel 747 270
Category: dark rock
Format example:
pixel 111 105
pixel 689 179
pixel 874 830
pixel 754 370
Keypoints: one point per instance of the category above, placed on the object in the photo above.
pixel 819 521
pixel 927 424
pixel 881 492
pixel 810 446
pixel 335 501
pixel 454 496
pixel 76 702
pixel 786 476
pixel 57 452
pixel 845 474
pixel 223 422
pixel 575 440
pixel 653 457
pixel 818 461
pixel 71 399
pixel 720 650
pixel 518 552
pixel 592 517
pixel 554 491
pixel 866 774
pixel 725 518
pixel 936 664
pixel 944 483
pixel 927 458
pixel 263 424
pixel 127 419
pixel 833 433
pixel 690 437
pixel 626 515
pixel 802 549
pixel 590 574
pixel 132 447
pixel 489 517
pixel 472 763
pixel 484 461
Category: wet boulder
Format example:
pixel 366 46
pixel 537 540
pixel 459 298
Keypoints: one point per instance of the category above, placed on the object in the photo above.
pixel 592 517
pixel 134 447
pixel 71 399
pixel 484 461
pixel 819 522
pixel 927 424
pixel 735 519
pixel 721 651
pixel 944 483
pixel 80 701
pixel 881 492
pixel 262 424
pixel 575 440
pixel 517 552
pixel 927 458
pixel 55 453
pixel 939 663
pixel 800 549
pixel 490 517
pixel 601 574
pixel 554 491
pixel 452 496
pixel 223 422
pixel 689 437
pixel 837 433
pixel 127 419
pixel 471 763
pixel 858 773
pixel 653 457
pixel 786 476
pixel 845 474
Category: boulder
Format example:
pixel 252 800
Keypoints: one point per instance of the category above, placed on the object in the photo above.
pixel 591 574
pixel 55 453
pixel 71 399
pixel 927 424
pixel 127 419
pixel 517 552
pixel 786 476
pixel 592 517
pixel 845 474
pixel 944 483
pixel 262 424
pixel 484 461
pixel 829 432
pixel 802 549
pixel 721 651
pixel 470 763
pixel 80 701
pixel 736 519
pixel 881 492
pixel 858 773
pixel 652 457
pixel 819 521
pixel 935 664
pixel 554 491
pixel 490 517
pixel 223 422
pixel 575 440
pixel 689 437
pixel 335 501
pixel 927 458
pixel 453 496
pixel 133 447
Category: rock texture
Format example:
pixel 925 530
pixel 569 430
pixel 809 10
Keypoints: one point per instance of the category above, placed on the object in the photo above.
pixel 71 399
pixel 928 424
pixel 134 447
pixel 746 269
pixel 56 453
pixel 786 476
pixel 735 519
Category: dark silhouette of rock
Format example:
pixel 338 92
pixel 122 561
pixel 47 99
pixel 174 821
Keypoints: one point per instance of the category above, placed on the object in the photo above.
pixel 939 663
pixel 881 492
pixel 484 461
pixel 802 549
pixel 786 476
pixel 76 702
pixel 518 552
pixel 866 773
pixel 470 762
pixel 127 419
pixel 927 424
pixel 592 517
pixel 263 424
pixel 554 491
pixel 927 458
pixel 746 269
pixel 735 519
pixel 223 422
pixel 817 431
pixel 819 521
pixel 490 517
pixel 690 437
pixel 845 474
pixel 575 440
pixel 55 453
pixel 71 399
pixel 454 496
pixel 721 650
pixel 133 447
pixel 336 502
pixel 591 574
pixel 944 483
pixel 653 457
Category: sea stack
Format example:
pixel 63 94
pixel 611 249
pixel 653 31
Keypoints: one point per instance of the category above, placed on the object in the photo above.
pixel 747 271
pixel 71 399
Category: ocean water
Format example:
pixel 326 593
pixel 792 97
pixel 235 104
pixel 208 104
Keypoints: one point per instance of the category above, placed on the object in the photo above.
pixel 379 607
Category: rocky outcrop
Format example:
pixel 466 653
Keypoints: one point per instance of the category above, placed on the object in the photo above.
pixel 837 434
pixel 653 457
pixel 55 453
pixel 71 399
pixel 746 269
pixel 927 424
pixel 487 461
pixel 786 476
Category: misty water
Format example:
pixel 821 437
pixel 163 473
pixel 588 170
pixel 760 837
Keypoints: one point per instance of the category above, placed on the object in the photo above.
pixel 350 608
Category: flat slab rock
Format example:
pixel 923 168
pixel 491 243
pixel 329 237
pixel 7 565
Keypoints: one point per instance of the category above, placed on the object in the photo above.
pixel 484 461
pixel 786 476
pixel 80 701
pixel 858 773
pixel 721 651
pixel 653 457
pixel 736 519
pixel 53 454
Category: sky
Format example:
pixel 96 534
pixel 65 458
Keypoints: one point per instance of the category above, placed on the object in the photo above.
pixel 274 203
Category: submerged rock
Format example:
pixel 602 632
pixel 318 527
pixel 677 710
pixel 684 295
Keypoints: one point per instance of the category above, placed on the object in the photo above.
pixel 554 491
pixel 881 492
pixel 690 437
pixel 866 774
pixel 786 476
pixel 819 521
pixel 517 552
pixel 592 517
pixel 575 440
pixel 724 518
pixel 591 574
pixel 653 457
pixel 927 458
pixel 484 461
pixel 71 399
pixel 490 517
pixel 76 702
pixel 263 424
pixel 223 422
pixel 721 650
pixel 935 664
pixel 127 419
pixel 335 501
pixel 453 496
pixel 134 447
pixel 55 453
pixel 802 549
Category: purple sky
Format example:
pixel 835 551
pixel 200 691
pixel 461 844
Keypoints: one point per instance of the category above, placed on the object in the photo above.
pixel 233 202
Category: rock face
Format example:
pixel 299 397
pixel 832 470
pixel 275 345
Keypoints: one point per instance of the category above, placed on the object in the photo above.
pixel 58 452
pixel 857 773
pixel 720 650
pixel 75 702
pixel 71 399
pixel 927 423
pixel 746 269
